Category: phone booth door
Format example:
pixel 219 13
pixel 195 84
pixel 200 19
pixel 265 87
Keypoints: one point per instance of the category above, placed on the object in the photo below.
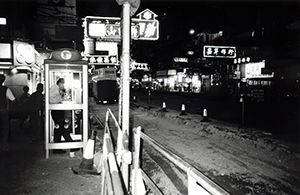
pixel 66 101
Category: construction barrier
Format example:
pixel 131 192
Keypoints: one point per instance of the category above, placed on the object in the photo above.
pixel 113 173
pixel 116 179
pixel 197 182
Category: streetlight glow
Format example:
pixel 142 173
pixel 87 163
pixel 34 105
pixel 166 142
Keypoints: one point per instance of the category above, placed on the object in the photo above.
pixel 192 31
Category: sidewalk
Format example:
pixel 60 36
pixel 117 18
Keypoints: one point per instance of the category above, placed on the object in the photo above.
pixel 25 170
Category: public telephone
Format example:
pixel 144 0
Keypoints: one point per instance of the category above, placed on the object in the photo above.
pixel 72 105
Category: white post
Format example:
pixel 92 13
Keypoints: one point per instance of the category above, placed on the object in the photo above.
pixel 47 111
pixel 136 164
pixel 125 79
pixel 126 64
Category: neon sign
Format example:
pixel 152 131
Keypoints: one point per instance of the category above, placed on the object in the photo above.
pixel 146 27
pixel 219 52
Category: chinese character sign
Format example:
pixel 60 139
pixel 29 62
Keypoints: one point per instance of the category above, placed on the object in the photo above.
pixel 143 28
pixel 140 30
pixel 219 52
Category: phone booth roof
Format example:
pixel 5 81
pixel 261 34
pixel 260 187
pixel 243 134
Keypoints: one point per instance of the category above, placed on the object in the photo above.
pixel 65 56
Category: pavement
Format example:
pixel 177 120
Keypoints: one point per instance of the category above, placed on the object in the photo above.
pixel 25 170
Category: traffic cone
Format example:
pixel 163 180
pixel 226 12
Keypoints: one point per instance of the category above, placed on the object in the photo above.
pixel 87 166
pixel 183 110
pixel 164 107
pixel 205 116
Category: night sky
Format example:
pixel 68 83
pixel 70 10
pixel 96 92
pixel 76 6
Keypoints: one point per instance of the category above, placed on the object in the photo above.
pixel 205 15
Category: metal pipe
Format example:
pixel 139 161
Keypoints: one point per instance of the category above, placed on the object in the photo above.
pixel 120 135
pixel 151 184
pixel 204 181
pixel 116 180
pixel 108 179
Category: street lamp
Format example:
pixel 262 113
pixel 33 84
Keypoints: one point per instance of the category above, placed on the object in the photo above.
pixel 192 31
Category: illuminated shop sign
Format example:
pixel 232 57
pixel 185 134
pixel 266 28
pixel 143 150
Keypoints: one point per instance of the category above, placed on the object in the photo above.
pixel 139 66
pixel 142 28
pixel 172 72
pixel 219 52
pixel 106 48
pixel 103 53
pixel 101 60
pixel 261 83
pixel 5 51
pixel 24 53
pixel 180 59
pixel 2 21
pixel 253 70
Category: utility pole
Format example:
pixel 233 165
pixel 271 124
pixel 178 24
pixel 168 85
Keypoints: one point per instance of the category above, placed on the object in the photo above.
pixel 125 80
pixel 125 65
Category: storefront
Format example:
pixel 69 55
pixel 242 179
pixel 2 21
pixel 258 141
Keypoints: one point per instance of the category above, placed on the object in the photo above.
pixel 18 61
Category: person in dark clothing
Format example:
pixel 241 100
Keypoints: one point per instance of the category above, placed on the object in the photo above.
pixel 6 95
pixel 36 105
pixel 24 105
pixel 25 96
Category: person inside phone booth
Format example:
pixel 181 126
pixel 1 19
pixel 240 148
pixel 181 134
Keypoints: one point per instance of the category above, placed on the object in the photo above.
pixel 58 116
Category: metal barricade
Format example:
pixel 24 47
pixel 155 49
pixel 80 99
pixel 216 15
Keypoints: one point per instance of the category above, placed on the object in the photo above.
pixel 115 172
pixel 197 182
pixel 111 180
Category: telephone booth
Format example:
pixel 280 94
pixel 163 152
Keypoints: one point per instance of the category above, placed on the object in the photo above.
pixel 66 64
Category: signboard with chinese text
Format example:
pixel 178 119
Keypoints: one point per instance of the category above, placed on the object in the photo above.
pixel 254 70
pixel 143 28
pixel 259 83
pixel 101 53
pixel 219 52
pixel 259 88
pixel 101 60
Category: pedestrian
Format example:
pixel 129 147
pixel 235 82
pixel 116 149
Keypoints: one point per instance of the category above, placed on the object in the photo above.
pixel 36 105
pixel 24 105
pixel 58 116
pixel 6 97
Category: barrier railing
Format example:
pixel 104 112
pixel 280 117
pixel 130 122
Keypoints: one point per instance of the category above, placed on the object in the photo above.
pixel 117 162
pixel 197 182
pixel 111 180
pixel 115 166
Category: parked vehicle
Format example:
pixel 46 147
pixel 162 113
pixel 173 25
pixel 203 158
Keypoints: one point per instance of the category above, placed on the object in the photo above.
pixel 105 86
